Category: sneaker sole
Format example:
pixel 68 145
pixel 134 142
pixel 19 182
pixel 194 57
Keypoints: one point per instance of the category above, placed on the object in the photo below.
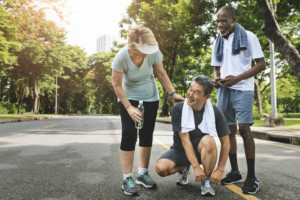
pixel 143 184
pixel 207 194
pixel 238 181
pixel 182 183
pixel 127 193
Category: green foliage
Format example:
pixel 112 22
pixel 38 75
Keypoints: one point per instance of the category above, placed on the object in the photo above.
pixel 100 90
pixel 33 52
pixel 256 114
pixel 8 108
pixel 182 31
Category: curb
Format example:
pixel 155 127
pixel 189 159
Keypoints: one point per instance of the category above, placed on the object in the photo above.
pixel 2 121
pixel 290 139
pixel 287 138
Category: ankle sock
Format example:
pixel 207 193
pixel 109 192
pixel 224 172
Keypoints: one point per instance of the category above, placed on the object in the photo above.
pixel 207 181
pixel 142 170
pixel 127 175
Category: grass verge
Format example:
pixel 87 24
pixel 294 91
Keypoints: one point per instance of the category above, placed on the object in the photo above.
pixel 290 123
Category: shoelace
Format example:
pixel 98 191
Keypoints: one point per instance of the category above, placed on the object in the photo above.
pixel 207 183
pixel 146 175
pixel 231 175
pixel 249 181
pixel 130 182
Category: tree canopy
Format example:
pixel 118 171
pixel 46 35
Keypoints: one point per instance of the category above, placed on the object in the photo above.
pixel 34 53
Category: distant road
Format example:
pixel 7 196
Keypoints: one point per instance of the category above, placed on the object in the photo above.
pixel 78 158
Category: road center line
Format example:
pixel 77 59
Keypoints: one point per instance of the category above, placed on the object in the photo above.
pixel 278 145
pixel 231 187
pixel 238 191
pixel 161 143
pixel 51 126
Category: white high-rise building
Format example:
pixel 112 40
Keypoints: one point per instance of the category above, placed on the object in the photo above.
pixel 105 42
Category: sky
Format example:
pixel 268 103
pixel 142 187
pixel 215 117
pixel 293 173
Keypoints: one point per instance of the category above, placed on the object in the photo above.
pixel 89 19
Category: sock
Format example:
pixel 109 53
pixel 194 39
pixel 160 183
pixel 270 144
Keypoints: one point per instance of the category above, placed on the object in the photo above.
pixel 251 168
pixel 233 162
pixel 127 175
pixel 142 170
pixel 207 181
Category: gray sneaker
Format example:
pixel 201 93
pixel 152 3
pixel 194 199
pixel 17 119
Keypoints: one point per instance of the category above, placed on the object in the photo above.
pixel 183 177
pixel 129 187
pixel 145 180
pixel 207 190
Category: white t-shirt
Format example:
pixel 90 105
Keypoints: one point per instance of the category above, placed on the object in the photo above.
pixel 240 63
pixel 138 82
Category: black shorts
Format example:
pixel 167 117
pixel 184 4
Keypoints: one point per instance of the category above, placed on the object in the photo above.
pixel 179 157
pixel 129 132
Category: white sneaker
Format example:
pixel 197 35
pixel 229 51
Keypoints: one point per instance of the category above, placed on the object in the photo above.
pixel 207 190
pixel 183 177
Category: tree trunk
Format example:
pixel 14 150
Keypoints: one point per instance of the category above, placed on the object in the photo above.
pixel 36 93
pixel 20 93
pixel 272 31
pixel 165 107
pixel 259 101
pixel 167 103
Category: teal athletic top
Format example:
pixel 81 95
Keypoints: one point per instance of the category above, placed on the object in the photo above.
pixel 138 83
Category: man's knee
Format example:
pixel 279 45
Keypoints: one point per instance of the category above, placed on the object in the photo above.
pixel 162 167
pixel 245 130
pixel 207 142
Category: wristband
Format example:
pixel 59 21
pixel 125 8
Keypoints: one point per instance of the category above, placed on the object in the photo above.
pixel 173 93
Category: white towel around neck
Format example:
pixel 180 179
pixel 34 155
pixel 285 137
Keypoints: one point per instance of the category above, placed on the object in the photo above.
pixel 208 124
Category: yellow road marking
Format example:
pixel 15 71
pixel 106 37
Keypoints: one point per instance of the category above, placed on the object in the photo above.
pixel 238 191
pixel 278 145
pixel 232 187
pixel 51 126
pixel 161 143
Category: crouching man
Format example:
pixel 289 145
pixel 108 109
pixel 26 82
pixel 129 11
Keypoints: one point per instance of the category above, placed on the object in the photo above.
pixel 195 123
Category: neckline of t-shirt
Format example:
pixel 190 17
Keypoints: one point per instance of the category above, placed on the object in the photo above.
pixel 128 56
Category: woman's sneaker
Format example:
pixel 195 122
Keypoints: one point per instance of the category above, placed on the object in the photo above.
pixel 251 185
pixel 145 180
pixel 129 187
pixel 232 177
pixel 183 177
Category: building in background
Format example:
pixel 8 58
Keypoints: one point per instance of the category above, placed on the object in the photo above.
pixel 105 42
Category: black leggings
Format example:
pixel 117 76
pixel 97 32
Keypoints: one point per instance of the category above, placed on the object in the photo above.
pixel 129 132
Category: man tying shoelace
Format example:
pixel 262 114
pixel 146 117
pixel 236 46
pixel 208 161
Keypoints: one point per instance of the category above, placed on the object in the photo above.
pixel 195 123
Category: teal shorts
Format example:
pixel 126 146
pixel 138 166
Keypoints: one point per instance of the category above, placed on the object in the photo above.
pixel 236 105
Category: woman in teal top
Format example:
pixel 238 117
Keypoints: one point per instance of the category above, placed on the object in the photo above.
pixel 133 80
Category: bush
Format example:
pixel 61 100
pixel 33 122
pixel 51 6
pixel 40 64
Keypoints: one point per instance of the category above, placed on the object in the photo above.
pixel 8 108
pixel 256 114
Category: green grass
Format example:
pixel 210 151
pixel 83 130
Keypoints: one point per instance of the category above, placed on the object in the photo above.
pixel 290 123
pixel 289 115
pixel 22 116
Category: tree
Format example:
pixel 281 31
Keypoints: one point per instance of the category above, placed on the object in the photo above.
pixel 100 85
pixel 273 32
pixel 179 29
pixel 41 55
pixel 72 84
pixel 9 46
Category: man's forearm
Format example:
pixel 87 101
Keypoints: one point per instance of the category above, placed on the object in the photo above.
pixel 225 147
pixel 258 67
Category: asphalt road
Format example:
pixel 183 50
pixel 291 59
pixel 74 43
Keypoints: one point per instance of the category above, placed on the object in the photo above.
pixel 78 158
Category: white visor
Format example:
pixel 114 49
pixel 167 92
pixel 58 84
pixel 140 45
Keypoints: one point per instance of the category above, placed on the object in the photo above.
pixel 147 49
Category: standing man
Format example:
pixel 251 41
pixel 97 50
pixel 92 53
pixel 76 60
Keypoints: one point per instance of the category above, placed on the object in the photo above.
pixel 195 123
pixel 233 53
